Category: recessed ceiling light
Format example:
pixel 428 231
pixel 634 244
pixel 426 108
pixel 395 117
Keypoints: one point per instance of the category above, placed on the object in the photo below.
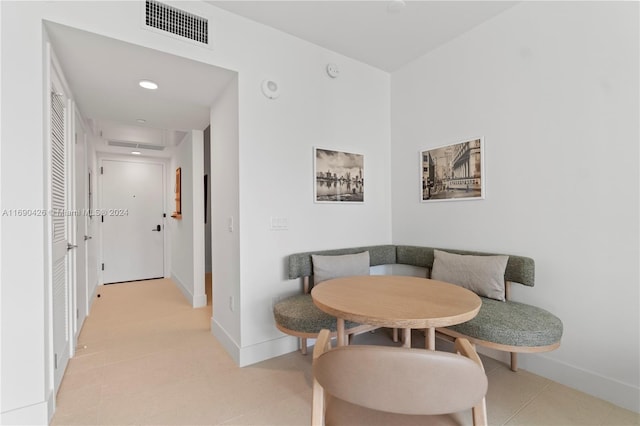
pixel 136 152
pixel 148 84
pixel 141 120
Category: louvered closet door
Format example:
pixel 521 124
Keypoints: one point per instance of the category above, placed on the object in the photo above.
pixel 60 271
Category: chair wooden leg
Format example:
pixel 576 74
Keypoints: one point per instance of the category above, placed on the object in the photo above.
pixel 479 413
pixel 514 361
pixel 303 345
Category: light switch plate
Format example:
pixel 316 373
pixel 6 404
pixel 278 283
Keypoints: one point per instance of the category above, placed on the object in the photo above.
pixel 279 223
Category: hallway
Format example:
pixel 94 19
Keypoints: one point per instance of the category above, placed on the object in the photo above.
pixel 145 356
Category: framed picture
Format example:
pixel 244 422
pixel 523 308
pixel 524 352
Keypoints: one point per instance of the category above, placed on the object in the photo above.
pixel 453 172
pixel 339 176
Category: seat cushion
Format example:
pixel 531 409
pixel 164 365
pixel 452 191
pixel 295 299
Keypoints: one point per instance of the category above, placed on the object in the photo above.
pixel 300 314
pixel 512 323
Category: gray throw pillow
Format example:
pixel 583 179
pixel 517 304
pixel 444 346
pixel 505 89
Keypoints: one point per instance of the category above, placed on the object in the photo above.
pixel 484 275
pixel 346 265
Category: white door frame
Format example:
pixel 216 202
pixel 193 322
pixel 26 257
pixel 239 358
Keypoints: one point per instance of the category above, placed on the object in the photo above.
pixel 81 296
pixel 54 73
pixel 98 197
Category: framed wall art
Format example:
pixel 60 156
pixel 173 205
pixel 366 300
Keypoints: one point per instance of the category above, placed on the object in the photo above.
pixel 338 176
pixel 178 193
pixel 453 172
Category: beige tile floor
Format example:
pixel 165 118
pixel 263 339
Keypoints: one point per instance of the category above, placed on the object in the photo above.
pixel 146 357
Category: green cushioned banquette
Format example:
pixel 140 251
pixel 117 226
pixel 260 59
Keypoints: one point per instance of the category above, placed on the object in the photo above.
pixel 509 326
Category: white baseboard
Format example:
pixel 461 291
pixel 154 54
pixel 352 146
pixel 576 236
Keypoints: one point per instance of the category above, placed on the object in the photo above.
pixel 227 342
pixel 195 301
pixel 266 350
pixel 35 414
pixel 51 406
pixel 618 393
pixel 254 353
pixel 622 394
pixel 200 301
pixel 183 288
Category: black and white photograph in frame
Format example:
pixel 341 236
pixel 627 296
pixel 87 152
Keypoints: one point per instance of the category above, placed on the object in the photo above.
pixel 339 176
pixel 453 172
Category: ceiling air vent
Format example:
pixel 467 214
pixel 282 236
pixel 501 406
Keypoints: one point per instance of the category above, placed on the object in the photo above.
pixel 135 145
pixel 175 21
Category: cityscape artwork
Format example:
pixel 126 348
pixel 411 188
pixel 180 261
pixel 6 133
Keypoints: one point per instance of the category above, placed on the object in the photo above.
pixel 339 177
pixel 453 172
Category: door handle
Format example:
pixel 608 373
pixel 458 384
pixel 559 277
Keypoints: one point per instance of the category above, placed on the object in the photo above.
pixel 87 237
pixel 158 228
pixel 71 246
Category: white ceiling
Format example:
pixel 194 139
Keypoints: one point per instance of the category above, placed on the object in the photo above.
pixel 103 73
pixel 367 30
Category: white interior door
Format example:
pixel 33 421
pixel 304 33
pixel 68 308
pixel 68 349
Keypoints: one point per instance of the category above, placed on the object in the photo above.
pixel 59 205
pixel 132 210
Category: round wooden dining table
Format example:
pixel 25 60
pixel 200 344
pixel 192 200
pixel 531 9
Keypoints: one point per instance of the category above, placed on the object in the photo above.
pixel 395 301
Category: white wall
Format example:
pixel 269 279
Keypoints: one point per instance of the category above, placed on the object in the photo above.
pixel 187 233
pixel 224 205
pixel 350 113
pixel 23 243
pixel 553 88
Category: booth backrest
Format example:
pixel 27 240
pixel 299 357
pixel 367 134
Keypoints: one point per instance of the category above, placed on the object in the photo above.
pixel 519 269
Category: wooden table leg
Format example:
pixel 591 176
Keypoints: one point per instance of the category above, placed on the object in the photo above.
pixel 340 328
pixel 430 338
pixel 406 337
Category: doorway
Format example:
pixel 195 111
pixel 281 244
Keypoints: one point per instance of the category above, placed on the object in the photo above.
pixel 131 214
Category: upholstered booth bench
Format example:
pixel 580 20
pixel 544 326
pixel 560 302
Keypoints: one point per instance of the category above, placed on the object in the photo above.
pixel 502 325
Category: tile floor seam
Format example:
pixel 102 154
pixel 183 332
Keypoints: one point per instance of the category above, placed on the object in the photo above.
pixel 527 403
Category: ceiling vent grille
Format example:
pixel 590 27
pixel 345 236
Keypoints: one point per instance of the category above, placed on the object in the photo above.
pixel 176 21
pixel 135 145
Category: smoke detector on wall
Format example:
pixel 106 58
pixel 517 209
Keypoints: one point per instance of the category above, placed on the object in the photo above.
pixel 332 70
pixel 270 89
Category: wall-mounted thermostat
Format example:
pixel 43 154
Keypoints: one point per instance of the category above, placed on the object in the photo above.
pixel 332 70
